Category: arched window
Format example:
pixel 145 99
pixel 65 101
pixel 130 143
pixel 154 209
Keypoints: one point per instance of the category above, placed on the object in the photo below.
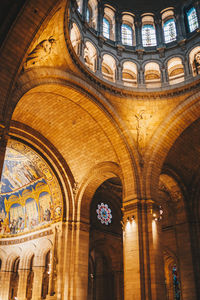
pixel 176 283
pixel 129 73
pixel 75 38
pixel 192 19
pixel 106 28
pixel 109 23
pixel 148 32
pixel 90 56
pixel 152 75
pixel 175 70
pixel 108 67
pixel 92 13
pixel 194 58
pixel 128 30
pixel 127 35
pixel 169 26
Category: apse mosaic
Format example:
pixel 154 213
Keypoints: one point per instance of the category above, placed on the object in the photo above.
pixel 30 196
pixel 104 214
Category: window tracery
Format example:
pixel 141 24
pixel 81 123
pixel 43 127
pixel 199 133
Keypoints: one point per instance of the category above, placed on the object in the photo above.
pixel 106 28
pixel 128 30
pixel 109 23
pixel 169 26
pixel 148 32
pixel 192 19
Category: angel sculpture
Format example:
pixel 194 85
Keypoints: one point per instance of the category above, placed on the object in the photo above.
pixel 40 52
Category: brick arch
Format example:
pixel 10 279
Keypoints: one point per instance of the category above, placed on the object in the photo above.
pixel 69 86
pixel 25 259
pixel 44 148
pixel 176 190
pixel 168 132
pixel 92 181
pixel 11 259
pixel 42 248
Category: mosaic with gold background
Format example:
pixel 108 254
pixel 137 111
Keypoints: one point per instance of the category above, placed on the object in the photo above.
pixel 30 196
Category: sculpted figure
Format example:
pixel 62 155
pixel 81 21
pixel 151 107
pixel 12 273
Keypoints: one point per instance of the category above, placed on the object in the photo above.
pixel 40 52
pixel 197 62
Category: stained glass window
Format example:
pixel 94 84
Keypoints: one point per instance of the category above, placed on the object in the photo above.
pixel 148 35
pixel 106 28
pixel 192 19
pixel 104 214
pixel 169 31
pixel 176 283
pixel 127 35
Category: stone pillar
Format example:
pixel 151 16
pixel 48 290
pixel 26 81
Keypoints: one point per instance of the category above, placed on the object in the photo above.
pixel 179 27
pixel 5 285
pixel 118 29
pixel 22 285
pixel 164 74
pixel 100 17
pixel 37 282
pixel 138 33
pixel 153 254
pixel 80 283
pixel 159 33
pixel 84 9
pixel 143 257
pixel 131 253
pixel 186 271
pixel 141 79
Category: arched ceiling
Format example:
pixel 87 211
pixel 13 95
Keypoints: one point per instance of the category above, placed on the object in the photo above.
pixel 184 156
pixel 63 121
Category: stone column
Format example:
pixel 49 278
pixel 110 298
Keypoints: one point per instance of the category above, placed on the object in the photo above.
pixel 186 271
pixel 37 282
pixel 5 285
pixel 164 74
pixel 141 79
pixel 179 27
pixel 159 33
pixel 84 9
pixel 118 29
pixel 138 33
pixel 131 252
pixel 100 18
pixel 80 283
pixel 22 285
pixel 143 257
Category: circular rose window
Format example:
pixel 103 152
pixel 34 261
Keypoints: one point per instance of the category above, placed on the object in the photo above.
pixel 104 213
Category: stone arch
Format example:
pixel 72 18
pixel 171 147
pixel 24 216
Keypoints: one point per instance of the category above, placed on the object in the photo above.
pixel 11 258
pixel 95 101
pixel 185 113
pixel 96 176
pixel 170 182
pixel 53 158
pixel 43 247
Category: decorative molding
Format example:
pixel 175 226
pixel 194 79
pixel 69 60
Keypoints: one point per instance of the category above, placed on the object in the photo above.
pixel 26 239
